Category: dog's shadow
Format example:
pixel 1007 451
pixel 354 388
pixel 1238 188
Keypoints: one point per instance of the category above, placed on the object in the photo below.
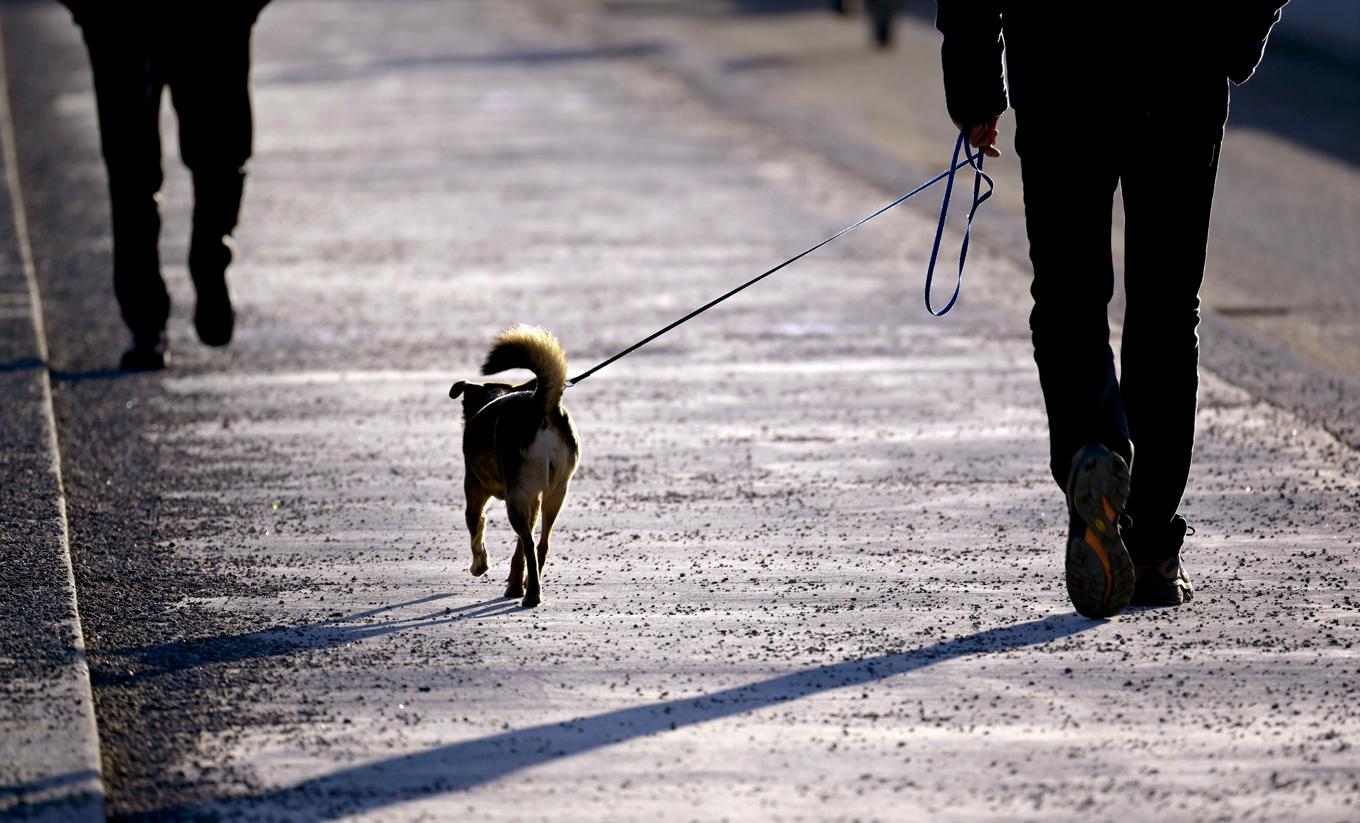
pixel 182 656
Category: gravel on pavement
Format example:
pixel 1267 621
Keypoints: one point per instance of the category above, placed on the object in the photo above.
pixel 811 565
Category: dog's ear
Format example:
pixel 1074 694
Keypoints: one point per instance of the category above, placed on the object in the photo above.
pixel 457 389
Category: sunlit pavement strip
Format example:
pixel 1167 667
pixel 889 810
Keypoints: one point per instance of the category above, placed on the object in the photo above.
pixel 810 567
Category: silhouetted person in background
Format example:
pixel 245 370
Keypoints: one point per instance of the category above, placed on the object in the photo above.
pixel 1130 94
pixel 200 49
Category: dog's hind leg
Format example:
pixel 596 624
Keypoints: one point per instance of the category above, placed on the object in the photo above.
pixel 552 504
pixel 514 584
pixel 476 523
pixel 523 511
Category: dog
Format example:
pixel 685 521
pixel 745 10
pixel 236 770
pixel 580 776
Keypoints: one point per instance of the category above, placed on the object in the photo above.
pixel 519 445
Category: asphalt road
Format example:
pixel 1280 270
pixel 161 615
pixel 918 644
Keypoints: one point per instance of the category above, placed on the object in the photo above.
pixel 810 567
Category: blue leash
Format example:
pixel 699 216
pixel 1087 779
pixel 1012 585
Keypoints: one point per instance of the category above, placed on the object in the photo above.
pixel 979 197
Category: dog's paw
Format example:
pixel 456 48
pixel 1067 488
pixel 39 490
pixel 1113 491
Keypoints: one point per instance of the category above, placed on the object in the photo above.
pixel 529 601
pixel 479 564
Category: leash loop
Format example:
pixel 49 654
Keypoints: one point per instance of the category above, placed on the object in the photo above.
pixel 979 197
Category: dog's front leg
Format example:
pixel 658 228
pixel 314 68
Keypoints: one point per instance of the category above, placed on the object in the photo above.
pixel 476 523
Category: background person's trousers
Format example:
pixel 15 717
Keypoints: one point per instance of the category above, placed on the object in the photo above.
pixel 207 68
pixel 1166 171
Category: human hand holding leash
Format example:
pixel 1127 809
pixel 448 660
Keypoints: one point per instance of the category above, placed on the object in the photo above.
pixel 983 136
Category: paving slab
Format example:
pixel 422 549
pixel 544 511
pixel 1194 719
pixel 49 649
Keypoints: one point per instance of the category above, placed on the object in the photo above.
pixel 810 568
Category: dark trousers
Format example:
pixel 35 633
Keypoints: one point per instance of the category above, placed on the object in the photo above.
pixel 206 65
pixel 1166 171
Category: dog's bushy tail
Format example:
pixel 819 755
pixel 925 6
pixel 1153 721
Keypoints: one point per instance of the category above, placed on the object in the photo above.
pixel 533 348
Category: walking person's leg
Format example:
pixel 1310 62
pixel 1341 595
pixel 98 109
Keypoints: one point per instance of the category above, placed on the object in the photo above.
pixel 1168 195
pixel 128 94
pixel 209 86
pixel 1068 218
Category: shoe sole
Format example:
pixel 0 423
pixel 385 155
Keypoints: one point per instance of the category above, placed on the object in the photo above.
pixel 1100 574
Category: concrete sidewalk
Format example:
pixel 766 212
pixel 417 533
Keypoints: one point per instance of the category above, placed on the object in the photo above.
pixel 49 746
pixel 810 567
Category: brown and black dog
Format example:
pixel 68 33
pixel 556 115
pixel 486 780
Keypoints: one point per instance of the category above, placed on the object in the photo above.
pixel 520 446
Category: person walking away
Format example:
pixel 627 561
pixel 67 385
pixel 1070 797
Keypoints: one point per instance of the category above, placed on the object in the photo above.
pixel 201 52
pixel 1131 95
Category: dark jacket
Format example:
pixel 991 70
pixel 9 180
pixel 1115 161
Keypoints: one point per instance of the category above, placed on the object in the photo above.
pixel 1089 58
pixel 123 12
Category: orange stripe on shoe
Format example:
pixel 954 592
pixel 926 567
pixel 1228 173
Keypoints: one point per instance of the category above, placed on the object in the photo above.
pixel 1109 510
pixel 1094 543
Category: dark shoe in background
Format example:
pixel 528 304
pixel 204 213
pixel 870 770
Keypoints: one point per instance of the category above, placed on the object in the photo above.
pixel 881 21
pixel 1100 575
pixel 214 318
pixel 146 353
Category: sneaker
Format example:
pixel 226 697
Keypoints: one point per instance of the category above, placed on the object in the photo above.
pixel 1160 582
pixel 1100 575
pixel 1165 584
pixel 146 354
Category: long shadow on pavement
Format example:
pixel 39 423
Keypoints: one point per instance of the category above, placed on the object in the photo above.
pixel 462 766
pixel 21 364
pixel 58 797
pixel 58 376
pixel 148 662
pixel 94 374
